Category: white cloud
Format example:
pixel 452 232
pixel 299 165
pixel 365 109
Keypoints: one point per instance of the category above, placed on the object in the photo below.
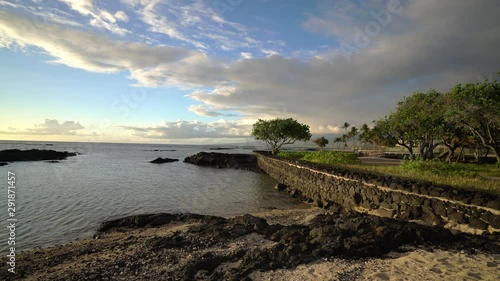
pixel 270 52
pixel 99 18
pixel 193 129
pixel 196 22
pixel 246 55
pixel 99 54
pixel 84 7
pixel 49 127
pixel 121 15
pixel 9 4
pixel 53 127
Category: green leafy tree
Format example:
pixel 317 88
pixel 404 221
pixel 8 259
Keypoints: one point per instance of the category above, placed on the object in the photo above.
pixel 476 108
pixel 321 142
pixel 418 121
pixel 278 132
pixel 423 113
pixel 388 132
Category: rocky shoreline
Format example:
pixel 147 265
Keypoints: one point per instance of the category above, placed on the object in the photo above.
pixel 225 160
pixel 14 155
pixel 199 247
pixel 296 244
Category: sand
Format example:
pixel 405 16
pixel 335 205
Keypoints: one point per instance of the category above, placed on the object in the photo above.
pixel 411 264
pixel 416 264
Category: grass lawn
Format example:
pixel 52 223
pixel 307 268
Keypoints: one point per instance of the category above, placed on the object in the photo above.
pixel 464 176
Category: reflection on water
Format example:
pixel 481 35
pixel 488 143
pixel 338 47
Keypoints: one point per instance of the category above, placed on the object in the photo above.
pixel 60 202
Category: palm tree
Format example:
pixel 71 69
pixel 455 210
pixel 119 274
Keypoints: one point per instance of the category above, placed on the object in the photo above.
pixel 352 134
pixel 338 141
pixel 364 134
pixel 346 125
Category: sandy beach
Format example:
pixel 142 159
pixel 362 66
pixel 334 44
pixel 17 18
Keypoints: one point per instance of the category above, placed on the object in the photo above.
pixel 416 264
pixel 212 248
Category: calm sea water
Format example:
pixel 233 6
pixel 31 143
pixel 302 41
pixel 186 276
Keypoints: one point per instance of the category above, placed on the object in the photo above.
pixel 60 202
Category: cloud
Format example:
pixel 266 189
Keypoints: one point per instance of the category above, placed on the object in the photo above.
pixel 150 65
pixel 434 48
pixel 211 111
pixel 428 45
pixel 270 52
pixel 246 55
pixel 49 127
pixel 198 23
pixel 120 15
pixel 193 129
pixel 53 127
pixel 338 18
pixel 99 18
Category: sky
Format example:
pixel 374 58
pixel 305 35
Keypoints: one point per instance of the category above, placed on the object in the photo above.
pixel 195 71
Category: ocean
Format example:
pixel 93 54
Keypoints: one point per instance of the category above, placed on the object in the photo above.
pixel 61 202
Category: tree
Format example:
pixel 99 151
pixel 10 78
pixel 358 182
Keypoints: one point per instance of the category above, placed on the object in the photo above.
pixel 476 108
pixel 365 134
pixel 321 142
pixel 352 134
pixel 423 113
pixel 344 137
pixel 278 132
pixel 338 141
pixel 418 120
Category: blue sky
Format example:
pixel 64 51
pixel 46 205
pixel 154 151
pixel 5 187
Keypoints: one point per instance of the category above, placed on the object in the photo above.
pixel 203 71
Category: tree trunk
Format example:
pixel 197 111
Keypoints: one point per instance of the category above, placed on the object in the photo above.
pixel 460 154
pixel 427 149
pixel 410 149
pixel 496 152
pixel 452 153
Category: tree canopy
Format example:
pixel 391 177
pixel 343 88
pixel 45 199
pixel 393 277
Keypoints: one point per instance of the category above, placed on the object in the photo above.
pixel 476 108
pixel 467 115
pixel 321 142
pixel 278 132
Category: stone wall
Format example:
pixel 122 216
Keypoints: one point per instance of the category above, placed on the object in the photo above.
pixel 334 188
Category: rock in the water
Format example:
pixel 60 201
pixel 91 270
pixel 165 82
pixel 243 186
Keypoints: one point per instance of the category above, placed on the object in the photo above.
pixel 160 160
pixel 12 155
pixel 150 220
pixel 225 160
pixel 280 186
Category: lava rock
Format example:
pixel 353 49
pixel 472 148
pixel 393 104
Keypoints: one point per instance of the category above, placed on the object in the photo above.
pixel 189 254
pixel 160 160
pixel 280 186
pixel 12 155
pixel 224 160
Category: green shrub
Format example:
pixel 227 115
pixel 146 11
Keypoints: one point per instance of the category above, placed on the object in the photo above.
pixel 295 155
pixel 439 168
pixel 323 157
